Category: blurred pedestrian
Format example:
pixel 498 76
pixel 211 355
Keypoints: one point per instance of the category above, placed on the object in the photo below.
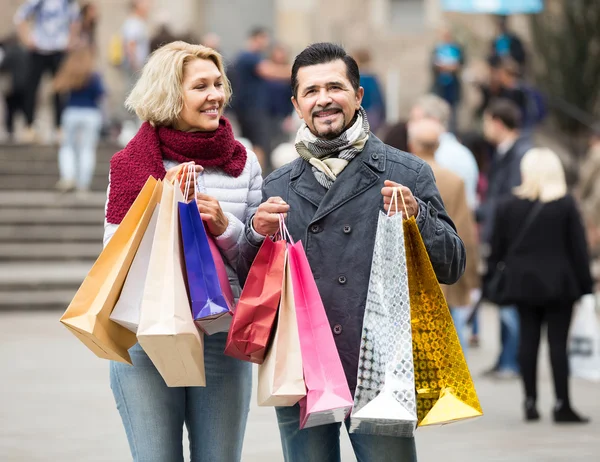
pixel 211 40
pixel 589 191
pixel 397 136
pixel 252 70
pixel 373 100
pixel 501 126
pixel 136 40
pixel 47 28
pixel 80 82
pixel 14 65
pixel 89 26
pixel 507 44
pixel 180 97
pixel 163 34
pixel 540 242
pixel 447 61
pixel 424 139
pixel 504 83
pixel 451 154
pixel 279 102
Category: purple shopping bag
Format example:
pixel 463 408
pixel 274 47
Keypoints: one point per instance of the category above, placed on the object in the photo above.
pixel 210 293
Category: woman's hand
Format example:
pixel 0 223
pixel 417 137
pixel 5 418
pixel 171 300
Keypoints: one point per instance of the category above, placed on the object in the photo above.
pixel 266 219
pixel 211 212
pixel 191 172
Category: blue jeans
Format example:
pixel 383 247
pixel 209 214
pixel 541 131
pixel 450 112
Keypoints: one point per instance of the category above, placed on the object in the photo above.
pixel 510 337
pixel 77 155
pixel 322 444
pixel 460 317
pixel 154 414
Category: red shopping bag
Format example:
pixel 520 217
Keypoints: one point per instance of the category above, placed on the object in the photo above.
pixel 254 317
pixel 328 398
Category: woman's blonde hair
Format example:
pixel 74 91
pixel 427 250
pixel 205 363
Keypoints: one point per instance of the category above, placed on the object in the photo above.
pixel 157 97
pixel 75 71
pixel 542 176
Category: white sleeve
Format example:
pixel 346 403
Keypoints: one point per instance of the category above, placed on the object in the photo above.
pixel 109 228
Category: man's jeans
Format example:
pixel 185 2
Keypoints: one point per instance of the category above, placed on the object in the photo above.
pixel 154 414
pixel 322 444
pixel 460 316
pixel 509 337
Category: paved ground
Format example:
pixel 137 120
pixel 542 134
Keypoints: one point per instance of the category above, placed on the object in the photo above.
pixel 56 405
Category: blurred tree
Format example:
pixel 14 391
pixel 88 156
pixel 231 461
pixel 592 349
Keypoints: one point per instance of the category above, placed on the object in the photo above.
pixel 566 39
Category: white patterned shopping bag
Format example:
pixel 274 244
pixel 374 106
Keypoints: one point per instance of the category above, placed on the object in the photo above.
pixel 385 401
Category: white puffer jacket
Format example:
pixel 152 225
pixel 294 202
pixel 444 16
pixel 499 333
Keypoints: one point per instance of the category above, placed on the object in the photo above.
pixel 239 198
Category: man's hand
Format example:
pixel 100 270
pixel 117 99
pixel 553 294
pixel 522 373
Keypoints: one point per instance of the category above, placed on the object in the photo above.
pixel 412 206
pixel 211 212
pixel 190 171
pixel 266 219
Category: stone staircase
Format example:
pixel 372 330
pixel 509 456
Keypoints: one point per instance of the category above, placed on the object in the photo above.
pixel 48 240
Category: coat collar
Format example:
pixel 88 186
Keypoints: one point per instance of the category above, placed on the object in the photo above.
pixel 360 174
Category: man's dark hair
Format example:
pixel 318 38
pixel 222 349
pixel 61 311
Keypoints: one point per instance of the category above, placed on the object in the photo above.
pixel 322 53
pixel 507 112
pixel 256 31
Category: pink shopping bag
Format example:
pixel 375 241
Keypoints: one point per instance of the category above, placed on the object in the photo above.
pixel 328 398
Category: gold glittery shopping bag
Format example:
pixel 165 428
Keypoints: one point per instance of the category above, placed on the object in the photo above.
pixel 445 389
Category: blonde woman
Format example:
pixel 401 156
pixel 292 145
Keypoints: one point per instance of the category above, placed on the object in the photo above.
pixel 81 120
pixel 180 96
pixel 539 241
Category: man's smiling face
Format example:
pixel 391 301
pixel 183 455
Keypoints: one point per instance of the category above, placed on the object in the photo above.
pixel 325 99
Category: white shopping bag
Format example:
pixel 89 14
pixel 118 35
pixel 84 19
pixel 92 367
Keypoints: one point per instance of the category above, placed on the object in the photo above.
pixel 127 310
pixel 584 341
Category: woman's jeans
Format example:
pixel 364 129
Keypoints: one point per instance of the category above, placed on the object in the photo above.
pixel 154 414
pixel 322 443
pixel 77 156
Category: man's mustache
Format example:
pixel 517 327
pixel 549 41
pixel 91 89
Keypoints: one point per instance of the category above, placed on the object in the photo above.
pixel 331 107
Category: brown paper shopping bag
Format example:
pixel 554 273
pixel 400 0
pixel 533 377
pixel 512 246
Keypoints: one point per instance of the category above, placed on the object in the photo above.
pixel 280 376
pixel 88 314
pixel 166 331
pixel 445 389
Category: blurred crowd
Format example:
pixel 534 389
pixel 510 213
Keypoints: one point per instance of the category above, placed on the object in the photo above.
pixel 477 167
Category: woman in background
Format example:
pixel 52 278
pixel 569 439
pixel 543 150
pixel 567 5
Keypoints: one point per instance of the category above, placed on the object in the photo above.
pixel 81 120
pixel 546 272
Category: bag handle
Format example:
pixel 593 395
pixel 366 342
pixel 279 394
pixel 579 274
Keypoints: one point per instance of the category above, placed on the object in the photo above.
pixel 283 231
pixel 395 202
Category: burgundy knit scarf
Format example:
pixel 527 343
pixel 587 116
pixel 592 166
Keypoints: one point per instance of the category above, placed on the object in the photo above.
pixel 144 155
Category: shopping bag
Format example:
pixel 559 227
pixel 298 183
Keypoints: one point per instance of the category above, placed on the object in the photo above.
pixel 254 317
pixel 328 398
pixel 280 376
pixel 208 284
pixel 167 332
pixel 127 310
pixel 88 313
pixel 445 389
pixel 584 341
pixel 385 402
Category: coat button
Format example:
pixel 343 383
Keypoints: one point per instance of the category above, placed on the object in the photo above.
pixel 347 229
pixel 337 329
pixel 374 156
pixel 342 280
pixel 315 229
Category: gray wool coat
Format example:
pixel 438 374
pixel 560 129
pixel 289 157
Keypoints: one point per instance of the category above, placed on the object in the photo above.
pixel 337 229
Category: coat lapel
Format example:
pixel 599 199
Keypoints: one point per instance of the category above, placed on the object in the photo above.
pixel 356 178
pixel 305 184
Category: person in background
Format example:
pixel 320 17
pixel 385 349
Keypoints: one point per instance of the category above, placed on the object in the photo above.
pixel 14 64
pixel 397 136
pixel 163 34
pixel 507 44
pixel 423 137
pixel 180 97
pixel 89 25
pixel 501 127
pixel 211 40
pixel 82 85
pixel 252 71
pixel 136 40
pixel 447 61
pixel 47 28
pixel 451 154
pixel 373 100
pixel 279 102
pixel 547 271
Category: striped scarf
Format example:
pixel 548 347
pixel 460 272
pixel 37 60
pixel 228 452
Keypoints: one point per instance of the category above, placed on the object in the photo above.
pixel 329 157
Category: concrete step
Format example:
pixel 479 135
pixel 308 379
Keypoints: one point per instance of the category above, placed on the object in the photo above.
pixel 37 216
pixel 51 233
pixel 21 275
pixel 33 251
pixel 48 299
pixel 53 199
pixel 36 169
pixel 43 182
